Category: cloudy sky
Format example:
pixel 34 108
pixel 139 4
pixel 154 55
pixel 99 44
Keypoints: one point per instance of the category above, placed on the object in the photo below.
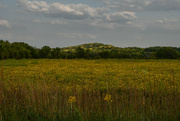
pixel 62 23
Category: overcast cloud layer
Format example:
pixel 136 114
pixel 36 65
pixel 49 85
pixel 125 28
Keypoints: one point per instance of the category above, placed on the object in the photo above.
pixel 61 23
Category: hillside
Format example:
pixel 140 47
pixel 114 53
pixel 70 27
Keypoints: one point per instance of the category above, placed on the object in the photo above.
pixel 94 47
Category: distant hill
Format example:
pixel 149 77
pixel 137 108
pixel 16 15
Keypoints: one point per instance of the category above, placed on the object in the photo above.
pixel 95 47
pixel 99 47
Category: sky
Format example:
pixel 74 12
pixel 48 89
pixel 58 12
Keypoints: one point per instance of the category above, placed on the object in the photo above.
pixel 63 23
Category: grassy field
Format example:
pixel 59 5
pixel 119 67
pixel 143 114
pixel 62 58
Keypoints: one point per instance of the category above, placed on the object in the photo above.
pixel 89 90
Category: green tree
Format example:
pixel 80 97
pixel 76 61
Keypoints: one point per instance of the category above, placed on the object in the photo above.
pixel 71 55
pixel 56 53
pixel 4 49
pixel 80 53
pixel 33 50
pixel 45 52
pixel 167 53
pixel 87 54
pixel 18 51
pixel 104 54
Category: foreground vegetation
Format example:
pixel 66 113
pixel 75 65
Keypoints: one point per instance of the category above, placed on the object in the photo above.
pixel 89 90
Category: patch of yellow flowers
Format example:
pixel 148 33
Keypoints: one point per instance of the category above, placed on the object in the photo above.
pixel 108 98
pixel 93 74
pixel 72 99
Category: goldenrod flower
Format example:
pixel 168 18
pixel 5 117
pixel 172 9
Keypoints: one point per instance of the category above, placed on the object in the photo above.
pixel 108 98
pixel 72 99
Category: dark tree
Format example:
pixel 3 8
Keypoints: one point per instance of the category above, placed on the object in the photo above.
pixel 44 52
pixel 104 54
pixel 167 53
pixel 56 53
pixel 18 51
pixel 71 55
pixel 80 53
pixel 87 54
pixel 4 49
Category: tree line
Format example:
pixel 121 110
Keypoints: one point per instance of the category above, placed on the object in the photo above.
pixel 21 50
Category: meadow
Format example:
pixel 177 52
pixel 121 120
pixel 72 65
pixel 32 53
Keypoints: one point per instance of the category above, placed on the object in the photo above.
pixel 89 90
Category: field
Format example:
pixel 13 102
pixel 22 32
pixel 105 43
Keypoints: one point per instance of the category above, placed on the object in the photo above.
pixel 89 90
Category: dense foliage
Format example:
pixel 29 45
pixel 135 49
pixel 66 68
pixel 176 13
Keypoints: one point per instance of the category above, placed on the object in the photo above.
pixel 19 50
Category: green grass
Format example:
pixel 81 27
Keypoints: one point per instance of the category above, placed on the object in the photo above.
pixel 13 62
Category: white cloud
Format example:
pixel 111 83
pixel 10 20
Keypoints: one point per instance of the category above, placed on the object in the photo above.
pixel 77 11
pixel 167 23
pixel 139 5
pixel 167 20
pixel 56 21
pixel 57 10
pixel 123 16
pixel 34 6
pixel 5 23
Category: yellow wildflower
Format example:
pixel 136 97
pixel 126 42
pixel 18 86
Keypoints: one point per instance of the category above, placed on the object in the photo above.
pixel 72 99
pixel 108 98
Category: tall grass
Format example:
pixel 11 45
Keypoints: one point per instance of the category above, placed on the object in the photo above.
pixel 102 90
